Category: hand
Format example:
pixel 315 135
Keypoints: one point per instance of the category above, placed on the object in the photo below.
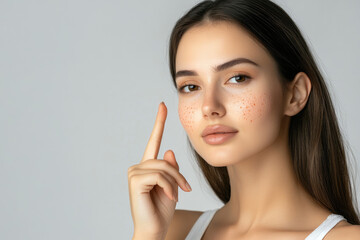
pixel 153 185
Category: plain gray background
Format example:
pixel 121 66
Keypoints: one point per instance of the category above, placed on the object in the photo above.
pixel 80 83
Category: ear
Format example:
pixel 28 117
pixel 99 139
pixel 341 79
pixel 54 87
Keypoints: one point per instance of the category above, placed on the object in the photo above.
pixel 298 91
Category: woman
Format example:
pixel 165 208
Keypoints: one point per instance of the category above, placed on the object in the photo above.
pixel 262 126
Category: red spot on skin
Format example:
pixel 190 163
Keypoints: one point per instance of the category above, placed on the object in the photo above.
pixel 186 113
pixel 249 103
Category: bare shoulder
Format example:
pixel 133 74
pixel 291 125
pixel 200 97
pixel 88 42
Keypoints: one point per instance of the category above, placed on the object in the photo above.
pixel 344 231
pixel 182 222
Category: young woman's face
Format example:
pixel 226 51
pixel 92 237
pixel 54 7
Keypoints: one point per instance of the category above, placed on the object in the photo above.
pixel 246 96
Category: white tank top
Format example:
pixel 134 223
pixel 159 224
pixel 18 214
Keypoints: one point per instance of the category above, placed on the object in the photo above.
pixel 319 233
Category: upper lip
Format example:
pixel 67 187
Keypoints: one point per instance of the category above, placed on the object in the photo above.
pixel 217 129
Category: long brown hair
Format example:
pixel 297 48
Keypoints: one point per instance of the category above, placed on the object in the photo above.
pixel 315 139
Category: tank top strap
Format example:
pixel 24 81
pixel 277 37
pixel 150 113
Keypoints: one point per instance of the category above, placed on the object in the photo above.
pixel 200 225
pixel 320 232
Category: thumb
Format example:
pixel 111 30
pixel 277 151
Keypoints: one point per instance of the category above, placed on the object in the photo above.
pixel 169 156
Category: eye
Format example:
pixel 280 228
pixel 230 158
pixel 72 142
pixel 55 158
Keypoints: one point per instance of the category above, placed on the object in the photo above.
pixel 239 78
pixel 187 86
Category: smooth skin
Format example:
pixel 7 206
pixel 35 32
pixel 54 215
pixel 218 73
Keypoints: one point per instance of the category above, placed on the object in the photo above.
pixel 266 200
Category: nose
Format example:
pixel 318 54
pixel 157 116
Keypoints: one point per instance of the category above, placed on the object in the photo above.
pixel 212 106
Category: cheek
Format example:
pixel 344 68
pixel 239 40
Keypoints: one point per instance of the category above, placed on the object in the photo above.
pixel 251 107
pixel 186 116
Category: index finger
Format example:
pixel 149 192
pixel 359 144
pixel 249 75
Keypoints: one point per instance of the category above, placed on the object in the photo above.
pixel 153 146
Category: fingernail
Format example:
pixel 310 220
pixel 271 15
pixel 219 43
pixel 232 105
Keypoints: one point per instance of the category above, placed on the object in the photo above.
pixel 188 186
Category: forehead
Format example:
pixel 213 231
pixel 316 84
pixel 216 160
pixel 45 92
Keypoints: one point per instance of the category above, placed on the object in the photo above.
pixel 213 43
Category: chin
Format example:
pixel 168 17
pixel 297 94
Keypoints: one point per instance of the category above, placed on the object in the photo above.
pixel 217 157
pixel 220 162
pixel 228 154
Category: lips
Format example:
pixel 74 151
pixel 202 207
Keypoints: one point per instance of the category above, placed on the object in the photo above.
pixel 218 129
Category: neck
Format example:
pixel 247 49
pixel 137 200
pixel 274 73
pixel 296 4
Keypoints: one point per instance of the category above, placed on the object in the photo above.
pixel 265 191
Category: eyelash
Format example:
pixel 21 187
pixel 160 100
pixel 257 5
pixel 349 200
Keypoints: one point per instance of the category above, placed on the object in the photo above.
pixel 180 89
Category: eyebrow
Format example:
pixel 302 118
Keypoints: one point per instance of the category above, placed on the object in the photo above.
pixel 221 67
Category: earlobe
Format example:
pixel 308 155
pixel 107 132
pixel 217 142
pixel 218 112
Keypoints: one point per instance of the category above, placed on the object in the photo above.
pixel 298 93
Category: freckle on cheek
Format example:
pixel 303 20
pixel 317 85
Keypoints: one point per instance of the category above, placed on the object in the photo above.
pixel 186 115
pixel 250 106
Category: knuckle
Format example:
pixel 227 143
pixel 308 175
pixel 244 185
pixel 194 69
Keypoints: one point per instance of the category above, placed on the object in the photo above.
pixel 130 169
pixel 163 165
pixel 147 162
pixel 134 179
pixel 158 175
pixel 131 177
pixel 152 161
